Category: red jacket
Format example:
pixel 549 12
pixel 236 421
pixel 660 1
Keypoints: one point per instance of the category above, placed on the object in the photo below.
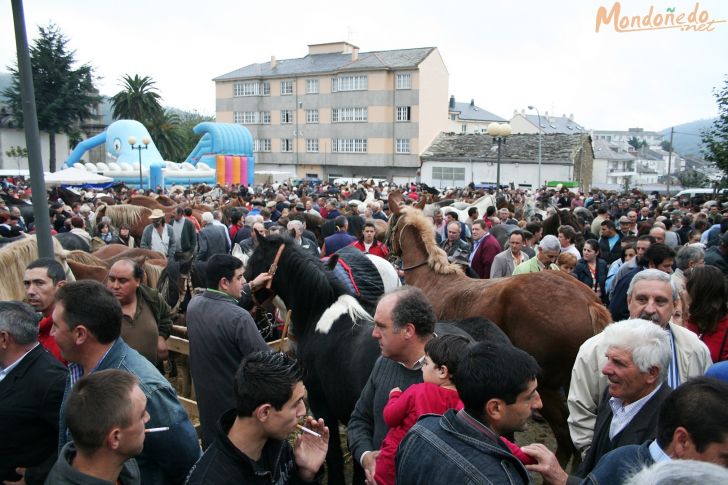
pixel 485 254
pixel 47 340
pixel 716 341
pixel 377 248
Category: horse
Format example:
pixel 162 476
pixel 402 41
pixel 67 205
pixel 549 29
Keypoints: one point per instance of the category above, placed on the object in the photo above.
pixel 15 257
pixel 72 242
pixel 551 328
pixel 136 216
pixel 152 271
pixel 564 217
pixel 333 334
pixel 111 253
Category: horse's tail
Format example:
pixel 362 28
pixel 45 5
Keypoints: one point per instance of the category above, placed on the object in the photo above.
pixel 600 317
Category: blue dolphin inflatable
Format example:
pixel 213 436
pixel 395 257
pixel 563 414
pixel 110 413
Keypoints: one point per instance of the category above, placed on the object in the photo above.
pixel 118 148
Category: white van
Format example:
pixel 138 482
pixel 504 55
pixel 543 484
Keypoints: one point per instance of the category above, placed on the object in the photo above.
pixel 706 193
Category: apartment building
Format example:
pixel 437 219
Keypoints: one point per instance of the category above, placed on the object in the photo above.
pixel 339 112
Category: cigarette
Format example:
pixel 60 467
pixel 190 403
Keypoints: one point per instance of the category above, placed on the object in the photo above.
pixel 306 430
pixel 156 430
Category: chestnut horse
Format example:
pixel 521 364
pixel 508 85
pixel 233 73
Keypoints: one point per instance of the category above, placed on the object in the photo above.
pixel 136 216
pixel 547 314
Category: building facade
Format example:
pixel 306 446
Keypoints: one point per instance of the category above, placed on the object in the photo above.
pixel 469 118
pixel 456 160
pixel 621 138
pixel 338 112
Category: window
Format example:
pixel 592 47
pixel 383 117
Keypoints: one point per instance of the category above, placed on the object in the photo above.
pixel 312 145
pixel 349 145
pixel 346 115
pixel 252 117
pixel 404 113
pixel 252 88
pixel 448 176
pixel 286 116
pixel 312 86
pixel 312 116
pixel 286 87
pixel 464 128
pixel 349 83
pixel 404 81
pixel 286 145
pixel 262 145
pixel 403 145
pixel 453 117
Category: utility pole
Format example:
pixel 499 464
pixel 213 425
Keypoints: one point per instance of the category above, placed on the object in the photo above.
pixel 32 136
pixel 669 162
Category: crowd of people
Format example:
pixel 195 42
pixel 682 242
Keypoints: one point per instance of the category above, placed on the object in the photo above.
pixel 83 398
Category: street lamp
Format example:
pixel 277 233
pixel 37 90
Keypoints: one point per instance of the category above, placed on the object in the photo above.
pixel 145 144
pixel 499 132
pixel 539 146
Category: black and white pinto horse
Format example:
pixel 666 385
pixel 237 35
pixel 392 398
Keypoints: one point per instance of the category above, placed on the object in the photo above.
pixel 333 333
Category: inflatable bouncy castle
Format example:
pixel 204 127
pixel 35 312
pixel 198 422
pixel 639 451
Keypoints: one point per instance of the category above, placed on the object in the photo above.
pixel 223 155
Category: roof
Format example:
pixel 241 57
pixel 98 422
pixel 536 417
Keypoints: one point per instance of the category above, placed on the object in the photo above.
pixel 603 150
pixel 328 63
pixel 555 124
pixel 555 148
pixel 471 112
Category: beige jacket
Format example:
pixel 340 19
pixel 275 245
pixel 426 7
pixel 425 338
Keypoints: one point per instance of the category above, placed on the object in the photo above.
pixel 588 383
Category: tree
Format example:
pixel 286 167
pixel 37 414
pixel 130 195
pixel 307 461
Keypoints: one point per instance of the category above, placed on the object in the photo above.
pixel 715 138
pixel 166 132
pixel 692 178
pixel 665 145
pixel 188 120
pixel 64 96
pixel 636 143
pixel 139 100
pixel 18 153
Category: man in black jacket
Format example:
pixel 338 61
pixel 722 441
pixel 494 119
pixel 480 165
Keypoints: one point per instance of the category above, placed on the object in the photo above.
pixel 31 391
pixel 221 334
pixel 251 444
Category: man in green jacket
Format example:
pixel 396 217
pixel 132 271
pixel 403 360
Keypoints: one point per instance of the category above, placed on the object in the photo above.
pixel 147 320
pixel 548 252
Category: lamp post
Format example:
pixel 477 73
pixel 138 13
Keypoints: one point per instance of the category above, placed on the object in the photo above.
pixel 539 145
pixel 145 144
pixel 499 132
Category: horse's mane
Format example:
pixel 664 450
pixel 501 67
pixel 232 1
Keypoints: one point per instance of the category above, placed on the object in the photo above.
pixel 152 273
pixel 436 257
pixel 296 267
pixel 14 258
pixel 86 258
pixel 126 214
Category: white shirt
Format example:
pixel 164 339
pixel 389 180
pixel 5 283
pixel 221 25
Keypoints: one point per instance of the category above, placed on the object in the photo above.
pixel 657 454
pixel 160 243
pixel 4 372
pixel 622 415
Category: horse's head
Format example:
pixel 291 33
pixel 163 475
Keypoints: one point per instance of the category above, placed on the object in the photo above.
pixel 265 254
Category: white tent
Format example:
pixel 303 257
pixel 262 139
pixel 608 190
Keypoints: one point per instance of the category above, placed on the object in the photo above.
pixel 75 176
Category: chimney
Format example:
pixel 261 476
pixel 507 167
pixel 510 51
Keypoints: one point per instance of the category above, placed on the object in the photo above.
pixel 354 54
pixel 452 101
pixel 273 62
pixel 515 112
pixel 571 116
pixel 472 102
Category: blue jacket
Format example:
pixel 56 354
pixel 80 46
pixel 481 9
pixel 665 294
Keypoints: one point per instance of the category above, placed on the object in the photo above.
pixel 447 449
pixel 615 466
pixel 583 274
pixel 168 455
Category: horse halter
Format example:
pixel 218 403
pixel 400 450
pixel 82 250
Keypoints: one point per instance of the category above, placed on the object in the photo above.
pixel 396 243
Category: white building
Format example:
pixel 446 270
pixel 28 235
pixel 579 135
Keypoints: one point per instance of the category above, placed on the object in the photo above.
pixel 469 118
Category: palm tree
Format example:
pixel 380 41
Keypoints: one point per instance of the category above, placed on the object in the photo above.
pixel 165 129
pixel 139 100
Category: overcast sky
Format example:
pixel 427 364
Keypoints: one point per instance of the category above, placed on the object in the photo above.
pixel 505 55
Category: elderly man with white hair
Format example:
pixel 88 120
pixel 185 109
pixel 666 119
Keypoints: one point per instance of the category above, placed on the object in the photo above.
pixel 211 239
pixel 296 227
pixel 548 252
pixel 652 297
pixel 638 355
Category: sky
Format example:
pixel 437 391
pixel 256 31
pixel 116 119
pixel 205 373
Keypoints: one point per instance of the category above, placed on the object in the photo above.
pixel 504 55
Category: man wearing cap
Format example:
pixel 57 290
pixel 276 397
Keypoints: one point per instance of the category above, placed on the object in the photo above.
pixel 211 238
pixel 624 227
pixel 158 236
